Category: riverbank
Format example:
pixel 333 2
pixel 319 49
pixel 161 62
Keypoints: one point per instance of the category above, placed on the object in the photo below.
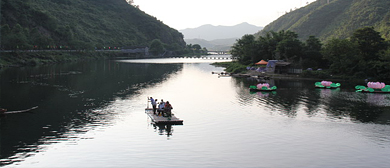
pixel 239 70
pixel 16 59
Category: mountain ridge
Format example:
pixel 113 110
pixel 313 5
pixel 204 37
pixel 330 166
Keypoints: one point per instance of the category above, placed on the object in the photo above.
pixel 210 32
pixel 337 19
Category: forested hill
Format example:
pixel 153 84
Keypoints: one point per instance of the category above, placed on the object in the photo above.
pixel 81 24
pixel 338 19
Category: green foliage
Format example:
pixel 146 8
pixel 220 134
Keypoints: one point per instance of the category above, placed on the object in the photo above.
pixel 236 67
pixel 364 55
pixel 81 24
pixel 195 49
pixel 233 67
pixel 369 42
pixel 273 46
pixel 156 47
pixel 245 49
pixel 316 74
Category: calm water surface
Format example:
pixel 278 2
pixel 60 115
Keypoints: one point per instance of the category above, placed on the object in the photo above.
pixel 92 115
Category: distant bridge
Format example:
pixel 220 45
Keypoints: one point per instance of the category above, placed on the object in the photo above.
pixel 210 57
pixel 218 52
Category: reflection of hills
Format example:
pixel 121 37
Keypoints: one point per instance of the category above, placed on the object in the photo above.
pixel 69 97
pixel 293 96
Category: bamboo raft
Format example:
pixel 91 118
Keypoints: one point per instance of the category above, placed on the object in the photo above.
pixel 163 120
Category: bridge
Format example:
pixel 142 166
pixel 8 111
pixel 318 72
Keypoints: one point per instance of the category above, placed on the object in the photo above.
pixel 218 52
pixel 220 57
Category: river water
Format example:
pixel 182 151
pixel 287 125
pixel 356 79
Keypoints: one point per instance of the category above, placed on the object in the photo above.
pixel 91 114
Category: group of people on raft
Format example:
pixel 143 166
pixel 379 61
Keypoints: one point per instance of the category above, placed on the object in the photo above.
pixel 163 109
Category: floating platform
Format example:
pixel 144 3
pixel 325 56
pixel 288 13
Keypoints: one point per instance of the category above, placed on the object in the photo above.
pixel 260 90
pixel 163 120
pixel 319 87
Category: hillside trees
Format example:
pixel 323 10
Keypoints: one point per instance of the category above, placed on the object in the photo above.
pixel 282 45
pixel 364 55
pixel 195 49
pixel 338 19
pixel 156 47
pixel 312 56
pixel 81 24
pixel 245 49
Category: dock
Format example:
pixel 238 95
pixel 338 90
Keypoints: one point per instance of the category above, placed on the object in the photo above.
pixel 163 120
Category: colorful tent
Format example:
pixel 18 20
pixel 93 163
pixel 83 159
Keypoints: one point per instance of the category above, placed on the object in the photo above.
pixel 262 62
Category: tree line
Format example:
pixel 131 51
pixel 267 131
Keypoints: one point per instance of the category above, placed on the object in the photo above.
pixel 363 55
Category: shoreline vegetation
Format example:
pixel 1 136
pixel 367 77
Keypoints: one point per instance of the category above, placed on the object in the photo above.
pixel 364 55
pixel 43 57
pixel 19 59
pixel 236 69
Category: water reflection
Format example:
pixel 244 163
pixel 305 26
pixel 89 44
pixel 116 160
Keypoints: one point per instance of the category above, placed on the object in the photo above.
pixel 163 129
pixel 71 99
pixel 293 96
pixel 93 113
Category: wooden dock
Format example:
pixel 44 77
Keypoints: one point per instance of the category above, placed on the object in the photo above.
pixel 163 120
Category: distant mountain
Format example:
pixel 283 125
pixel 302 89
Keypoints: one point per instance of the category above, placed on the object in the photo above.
pixel 336 19
pixel 218 38
pixel 213 45
pixel 210 32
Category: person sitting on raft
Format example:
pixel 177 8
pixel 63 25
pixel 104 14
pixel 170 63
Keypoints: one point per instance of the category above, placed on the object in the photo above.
pixel 167 109
pixel 160 109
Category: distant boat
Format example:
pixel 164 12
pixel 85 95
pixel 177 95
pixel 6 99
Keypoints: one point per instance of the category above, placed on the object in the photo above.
pixel 20 111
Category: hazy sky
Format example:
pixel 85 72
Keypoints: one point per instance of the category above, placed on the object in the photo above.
pixel 181 14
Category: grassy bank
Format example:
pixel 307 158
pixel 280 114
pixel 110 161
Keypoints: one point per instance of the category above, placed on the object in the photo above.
pixel 8 59
pixel 232 67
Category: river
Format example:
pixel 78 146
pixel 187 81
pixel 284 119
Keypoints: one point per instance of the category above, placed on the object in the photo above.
pixel 92 114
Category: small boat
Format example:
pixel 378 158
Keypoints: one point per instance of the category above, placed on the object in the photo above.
pixel 373 87
pixel 173 120
pixel 262 87
pixel 19 111
pixel 327 85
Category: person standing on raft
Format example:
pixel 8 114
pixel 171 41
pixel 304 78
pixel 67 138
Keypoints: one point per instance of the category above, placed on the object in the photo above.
pixel 154 104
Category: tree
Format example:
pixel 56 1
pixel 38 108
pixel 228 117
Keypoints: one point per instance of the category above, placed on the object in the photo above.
pixel 18 39
pixel 369 42
pixel 312 56
pixel 343 56
pixel 156 47
pixel 244 49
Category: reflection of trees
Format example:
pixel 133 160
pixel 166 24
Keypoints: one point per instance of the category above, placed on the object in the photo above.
pixel 68 97
pixel 359 107
pixel 338 104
